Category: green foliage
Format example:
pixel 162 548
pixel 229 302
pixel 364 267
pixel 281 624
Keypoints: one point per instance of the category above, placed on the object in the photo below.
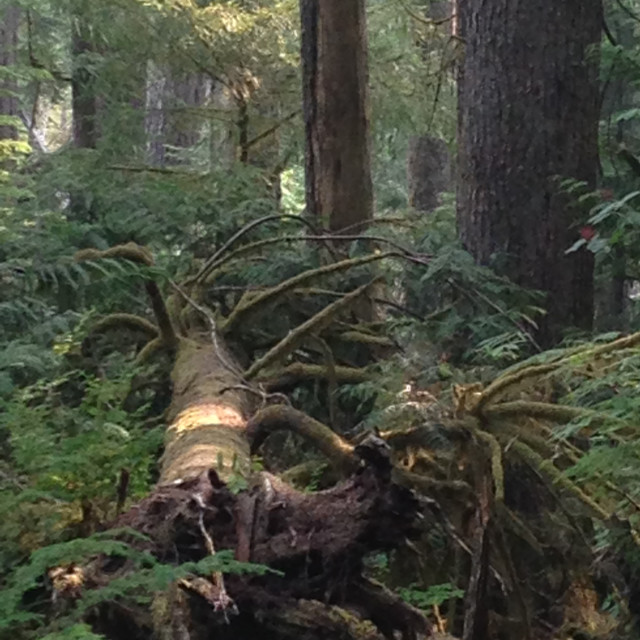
pixel 433 596
pixel 68 441
pixel 74 632
pixel 75 412
pixel 146 576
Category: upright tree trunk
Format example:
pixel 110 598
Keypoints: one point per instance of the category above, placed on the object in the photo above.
pixel 9 23
pixel 335 89
pixel 84 100
pixel 428 172
pixel 154 114
pixel 528 118
pixel 172 121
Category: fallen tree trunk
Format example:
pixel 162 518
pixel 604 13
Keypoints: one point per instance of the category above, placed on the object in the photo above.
pixel 207 416
pixel 207 500
pixel 316 542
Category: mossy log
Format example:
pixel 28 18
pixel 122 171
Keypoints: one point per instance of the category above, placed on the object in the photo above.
pixel 207 416
pixel 315 543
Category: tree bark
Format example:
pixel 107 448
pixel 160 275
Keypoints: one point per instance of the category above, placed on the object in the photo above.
pixel 428 172
pixel 528 119
pixel 9 23
pixel 336 111
pixel 207 417
pixel 154 114
pixel 172 121
pixel 84 99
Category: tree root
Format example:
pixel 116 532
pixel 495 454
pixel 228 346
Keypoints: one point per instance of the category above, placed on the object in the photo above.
pixel 315 541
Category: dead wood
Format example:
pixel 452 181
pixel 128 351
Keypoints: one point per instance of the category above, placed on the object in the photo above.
pixel 317 542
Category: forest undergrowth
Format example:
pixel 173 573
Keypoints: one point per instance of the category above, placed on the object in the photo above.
pixel 523 461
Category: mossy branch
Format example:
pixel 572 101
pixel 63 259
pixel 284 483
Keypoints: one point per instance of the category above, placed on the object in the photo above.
pixel 332 382
pixel 547 468
pixel 149 350
pixel 130 251
pixel 516 526
pixel 586 352
pixel 497 468
pixel 314 324
pixel 429 486
pixel 359 337
pixel 338 451
pixel 139 255
pixel 502 383
pixel 125 321
pixel 301 371
pixel 544 411
pixel 167 332
pixel 270 419
pixel 251 303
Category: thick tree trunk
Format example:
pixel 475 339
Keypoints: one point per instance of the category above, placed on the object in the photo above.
pixel 335 90
pixel 9 23
pixel 207 417
pixel 528 118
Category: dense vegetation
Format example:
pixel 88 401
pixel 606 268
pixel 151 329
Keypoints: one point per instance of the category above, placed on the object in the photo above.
pixel 152 210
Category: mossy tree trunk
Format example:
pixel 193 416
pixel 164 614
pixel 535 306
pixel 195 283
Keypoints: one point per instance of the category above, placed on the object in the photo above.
pixel 207 417
pixel 316 541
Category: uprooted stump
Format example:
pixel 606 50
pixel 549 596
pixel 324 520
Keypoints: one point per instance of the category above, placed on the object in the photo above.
pixel 314 542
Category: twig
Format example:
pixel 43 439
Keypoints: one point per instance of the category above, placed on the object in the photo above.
pixel 236 236
pixel 499 309
pixel 428 21
pixel 272 129
pixel 628 11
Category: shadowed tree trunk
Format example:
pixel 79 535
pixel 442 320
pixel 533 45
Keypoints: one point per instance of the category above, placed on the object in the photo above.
pixel 528 119
pixel 84 99
pixel 428 172
pixel 335 90
pixel 9 23
pixel 154 114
